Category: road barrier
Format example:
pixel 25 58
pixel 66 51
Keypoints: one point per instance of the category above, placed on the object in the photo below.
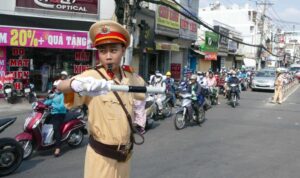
pixel 288 88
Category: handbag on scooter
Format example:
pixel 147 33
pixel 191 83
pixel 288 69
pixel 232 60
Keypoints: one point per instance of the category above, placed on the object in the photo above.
pixel 47 133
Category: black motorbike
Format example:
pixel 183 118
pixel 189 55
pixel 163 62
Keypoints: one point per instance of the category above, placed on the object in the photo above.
pixel 29 93
pixel 10 93
pixel 11 152
pixel 233 94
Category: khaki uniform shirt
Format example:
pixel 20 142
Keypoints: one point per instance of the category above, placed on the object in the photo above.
pixel 109 125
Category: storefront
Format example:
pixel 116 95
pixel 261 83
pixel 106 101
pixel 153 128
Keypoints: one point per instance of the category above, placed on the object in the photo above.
pixel 29 52
pixel 222 48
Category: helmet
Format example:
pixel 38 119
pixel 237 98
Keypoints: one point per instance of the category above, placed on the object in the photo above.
pixel 56 82
pixel 168 73
pixel 278 70
pixel 64 73
pixel 193 77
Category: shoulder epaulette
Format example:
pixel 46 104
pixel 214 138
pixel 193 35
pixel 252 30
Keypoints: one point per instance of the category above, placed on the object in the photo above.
pixel 127 68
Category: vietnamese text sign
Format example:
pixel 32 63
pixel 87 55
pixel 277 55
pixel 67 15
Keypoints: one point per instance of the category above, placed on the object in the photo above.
pixel 42 38
pixel 168 17
pixel 81 6
pixel 211 42
pixel 175 70
pixel 2 61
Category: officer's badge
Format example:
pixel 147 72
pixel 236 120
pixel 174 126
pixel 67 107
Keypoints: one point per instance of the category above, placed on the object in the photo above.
pixel 104 29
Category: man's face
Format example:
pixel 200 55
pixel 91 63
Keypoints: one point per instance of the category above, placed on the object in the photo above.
pixel 111 54
pixel 63 77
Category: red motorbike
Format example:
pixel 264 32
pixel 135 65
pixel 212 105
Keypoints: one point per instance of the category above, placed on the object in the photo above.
pixel 72 130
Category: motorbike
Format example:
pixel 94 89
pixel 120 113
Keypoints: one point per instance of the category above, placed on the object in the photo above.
pixel 11 152
pixel 233 90
pixel 35 138
pixel 167 107
pixel 213 96
pixel 186 114
pixel 10 93
pixel 150 109
pixel 244 84
pixel 29 93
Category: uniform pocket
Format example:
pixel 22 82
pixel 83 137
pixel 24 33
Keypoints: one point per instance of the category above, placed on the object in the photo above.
pixel 112 107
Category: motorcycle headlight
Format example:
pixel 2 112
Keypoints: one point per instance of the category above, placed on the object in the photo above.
pixel 8 90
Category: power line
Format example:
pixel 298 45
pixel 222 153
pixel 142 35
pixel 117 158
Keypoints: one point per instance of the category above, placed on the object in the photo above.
pixel 189 15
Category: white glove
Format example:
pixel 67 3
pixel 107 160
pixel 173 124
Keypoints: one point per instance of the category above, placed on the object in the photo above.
pixel 91 86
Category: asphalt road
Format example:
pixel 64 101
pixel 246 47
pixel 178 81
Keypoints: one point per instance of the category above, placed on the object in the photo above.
pixel 255 140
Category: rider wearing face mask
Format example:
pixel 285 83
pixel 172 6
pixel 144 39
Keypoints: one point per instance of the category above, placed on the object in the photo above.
pixel 234 80
pixel 157 81
pixel 58 112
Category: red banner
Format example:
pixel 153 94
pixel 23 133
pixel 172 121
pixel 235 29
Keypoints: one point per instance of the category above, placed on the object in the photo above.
pixel 175 70
pixel 210 56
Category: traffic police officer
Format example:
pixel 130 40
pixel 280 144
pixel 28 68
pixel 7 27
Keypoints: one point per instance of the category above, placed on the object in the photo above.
pixel 278 87
pixel 110 145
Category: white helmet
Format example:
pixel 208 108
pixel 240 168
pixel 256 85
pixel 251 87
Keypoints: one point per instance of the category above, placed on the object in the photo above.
pixel 56 82
pixel 193 77
pixel 64 73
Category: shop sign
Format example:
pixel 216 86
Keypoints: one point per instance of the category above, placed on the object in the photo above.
pixel 42 38
pixel 210 56
pixel 223 41
pixel 18 51
pixel 80 68
pixel 2 61
pixel 168 17
pixel 175 70
pixel 82 56
pixel 211 42
pixel 18 62
pixel 167 46
pixel 78 6
pixel 232 46
pixel 188 28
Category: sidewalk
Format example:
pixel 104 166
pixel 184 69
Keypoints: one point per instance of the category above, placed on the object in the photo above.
pixel 7 109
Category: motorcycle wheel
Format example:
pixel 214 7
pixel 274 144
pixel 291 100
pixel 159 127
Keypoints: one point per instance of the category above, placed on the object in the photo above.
pixel 27 148
pixel 31 98
pixel 10 100
pixel 11 156
pixel 179 121
pixel 75 138
pixel 233 100
pixel 201 117
pixel 167 110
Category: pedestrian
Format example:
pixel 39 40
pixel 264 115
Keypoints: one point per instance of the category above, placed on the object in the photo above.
pixel 278 87
pixel 170 88
pixel 45 74
pixel 108 154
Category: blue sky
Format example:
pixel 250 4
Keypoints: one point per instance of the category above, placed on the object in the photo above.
pixel 287 10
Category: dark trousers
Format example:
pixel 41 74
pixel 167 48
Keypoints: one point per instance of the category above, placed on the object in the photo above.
pixel 56 120
pixel 196 106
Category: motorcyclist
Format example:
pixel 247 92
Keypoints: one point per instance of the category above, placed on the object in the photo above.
pixel 157 81
pixel 170 89
pixel 233 79
pixel 58 112
pixel 195 90
pixel 201 79
pixel 212 83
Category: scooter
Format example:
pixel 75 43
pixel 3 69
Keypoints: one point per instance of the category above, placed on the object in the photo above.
pixel 11 152
pixel 167 107
pixel 29 93
pixel 213 95
pixel 186 114
pixel 34 138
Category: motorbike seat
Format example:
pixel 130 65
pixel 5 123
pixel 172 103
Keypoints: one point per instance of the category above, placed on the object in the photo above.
pixel 4 123
pixel 71 115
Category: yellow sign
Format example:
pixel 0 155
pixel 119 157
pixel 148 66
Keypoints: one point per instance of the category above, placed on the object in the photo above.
pixel 167 46
pixel 168 17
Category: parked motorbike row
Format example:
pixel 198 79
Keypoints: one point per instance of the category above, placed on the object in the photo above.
pixel 11 94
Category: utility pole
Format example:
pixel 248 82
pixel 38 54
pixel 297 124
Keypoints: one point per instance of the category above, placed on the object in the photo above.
pixel 262 33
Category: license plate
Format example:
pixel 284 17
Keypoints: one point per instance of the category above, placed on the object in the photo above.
pixel 7 90
pixel 27 90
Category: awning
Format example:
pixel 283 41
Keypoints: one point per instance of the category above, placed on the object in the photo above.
pixel 249 62
pixel 210 56
pixel 166 46
pixel 198 52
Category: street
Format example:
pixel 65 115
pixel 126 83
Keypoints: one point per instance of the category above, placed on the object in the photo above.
pixel 254 140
